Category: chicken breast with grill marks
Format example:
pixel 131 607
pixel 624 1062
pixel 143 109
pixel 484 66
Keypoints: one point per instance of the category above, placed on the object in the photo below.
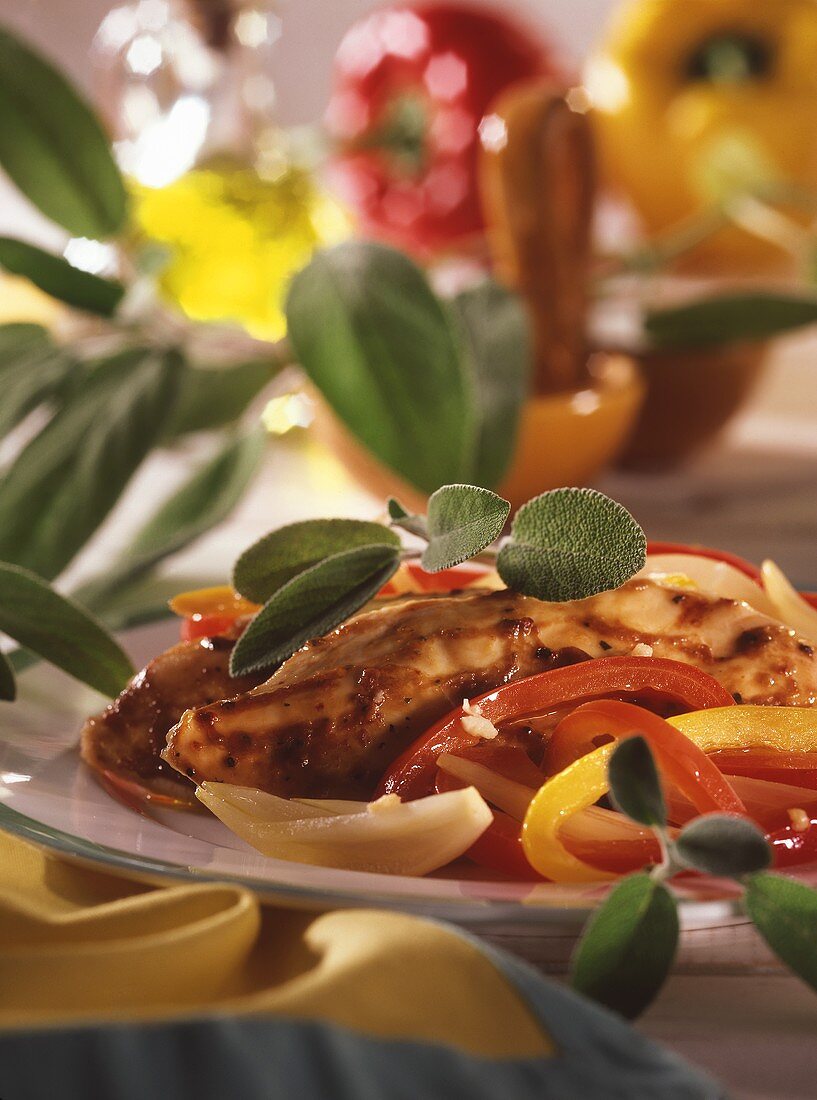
pixel 332 718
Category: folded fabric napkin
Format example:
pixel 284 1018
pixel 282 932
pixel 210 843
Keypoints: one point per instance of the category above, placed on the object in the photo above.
pixel 123 991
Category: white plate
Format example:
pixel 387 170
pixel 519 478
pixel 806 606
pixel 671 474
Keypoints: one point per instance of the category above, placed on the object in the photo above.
pixel 47 795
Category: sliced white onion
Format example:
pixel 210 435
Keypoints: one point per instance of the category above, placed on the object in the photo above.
pixel 789 605
pixel 712 577
pixel 506 794
pixel 408 838
pixel 595 823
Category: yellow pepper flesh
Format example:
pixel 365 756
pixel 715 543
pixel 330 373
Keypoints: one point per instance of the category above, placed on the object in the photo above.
pixel 783 729
pixel 570 791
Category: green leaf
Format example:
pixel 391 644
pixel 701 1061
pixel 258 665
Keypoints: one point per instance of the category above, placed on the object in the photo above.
pixel 569 544
pixel 628 946
pixel 64 483
pixel 496 340
pixel 785 914
pixel 414 524
pixel 143 599
pixel 53 147
pixel 55 276
pixel 723 844
pixel 213 397
pixel 729 318
pixel 36 375
pixel 283 554
pixel 20 337
pixel 311 604
pixel 60 631
pixel 8 685
pixel 202 502
pixel 462 521
pixel 634 783
pixel 372 336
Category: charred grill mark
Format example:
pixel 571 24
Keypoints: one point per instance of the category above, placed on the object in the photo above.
pixel 752 640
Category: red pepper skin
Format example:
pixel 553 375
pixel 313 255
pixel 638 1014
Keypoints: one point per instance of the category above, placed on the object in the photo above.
pixel 443 64
pixel 792 847
pixel 412 774
pixel 707 552
pixel 681 762
pixel 205 626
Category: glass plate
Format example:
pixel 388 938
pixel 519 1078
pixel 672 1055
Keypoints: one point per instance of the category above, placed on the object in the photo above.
pixel 48 796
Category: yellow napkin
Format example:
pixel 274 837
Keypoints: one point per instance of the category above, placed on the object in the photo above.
pixel 117 989
pixel 80 943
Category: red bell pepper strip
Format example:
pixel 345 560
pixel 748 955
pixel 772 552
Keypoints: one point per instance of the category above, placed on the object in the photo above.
pixel 205 626
pixel 413 773
pixel 680 761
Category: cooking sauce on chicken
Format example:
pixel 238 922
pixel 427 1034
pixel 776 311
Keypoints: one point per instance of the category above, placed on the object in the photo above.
pixel 336 714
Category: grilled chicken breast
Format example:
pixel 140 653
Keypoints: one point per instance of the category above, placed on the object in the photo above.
pixel 126 739
pixel 333 717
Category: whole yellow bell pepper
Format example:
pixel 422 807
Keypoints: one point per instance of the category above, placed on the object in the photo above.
pixel 696 101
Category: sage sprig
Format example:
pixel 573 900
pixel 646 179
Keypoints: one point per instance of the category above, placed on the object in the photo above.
pixel 58 630
pixel 628 945
pixel 577 541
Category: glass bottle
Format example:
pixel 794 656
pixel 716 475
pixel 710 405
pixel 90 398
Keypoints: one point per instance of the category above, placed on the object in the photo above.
pixel 187 90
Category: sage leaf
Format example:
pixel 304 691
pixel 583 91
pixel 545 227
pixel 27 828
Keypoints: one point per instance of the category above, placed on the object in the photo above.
pixel 21 337
pixel 144 599
pixel 569 544
pixel 729 318
pixel 29 379
pixel 199 504
pixel 374 339
pixel 785 914
pixel 414 524
pixel 628 946
pixel 65 482
pixel 53 147
pixel 723 844
pixel 213 397
pixel 283 554
pixel 634 783
pixel 462 521
pixel 60 631
pixel 311 604
pixel 8 685
pixel 55 276
pixel 495 337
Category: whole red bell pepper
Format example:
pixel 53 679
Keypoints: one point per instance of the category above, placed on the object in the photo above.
pixel 412 86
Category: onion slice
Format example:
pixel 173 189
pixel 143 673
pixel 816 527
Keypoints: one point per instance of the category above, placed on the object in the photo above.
pixel 789 605
pixel 396 838
pixel 506 794
pixel 712 577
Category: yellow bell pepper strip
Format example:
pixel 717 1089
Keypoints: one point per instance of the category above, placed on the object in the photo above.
pixel 721 93
pixel 774 743
pixel 681 763
pixel 572 790
pixel 784 729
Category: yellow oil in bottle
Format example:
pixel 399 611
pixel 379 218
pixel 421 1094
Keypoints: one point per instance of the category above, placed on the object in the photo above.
pixel 235 238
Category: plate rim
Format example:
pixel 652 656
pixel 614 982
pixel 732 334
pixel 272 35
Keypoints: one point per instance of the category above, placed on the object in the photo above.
pixel 466 912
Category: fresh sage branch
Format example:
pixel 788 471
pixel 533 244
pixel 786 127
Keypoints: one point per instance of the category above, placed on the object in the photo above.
pixel 313 575
pixel 628 945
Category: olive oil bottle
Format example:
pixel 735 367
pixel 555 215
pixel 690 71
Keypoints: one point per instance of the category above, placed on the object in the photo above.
pixel 234 209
